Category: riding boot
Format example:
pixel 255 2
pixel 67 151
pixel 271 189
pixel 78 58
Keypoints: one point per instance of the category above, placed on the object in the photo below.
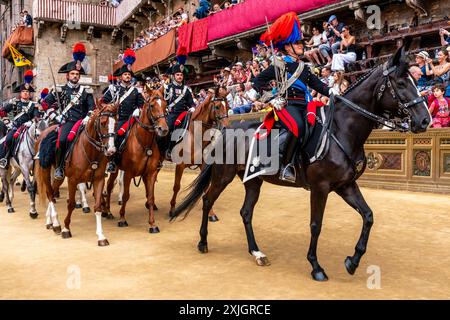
pixel 59 172
pixel 287 172
pixel 164 146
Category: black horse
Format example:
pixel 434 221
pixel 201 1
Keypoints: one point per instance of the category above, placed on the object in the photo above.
pixel 386 90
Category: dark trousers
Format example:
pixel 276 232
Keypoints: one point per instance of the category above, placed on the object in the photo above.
pixel 118 141
pixel 296 117
pixel 8 143
pixel 65 130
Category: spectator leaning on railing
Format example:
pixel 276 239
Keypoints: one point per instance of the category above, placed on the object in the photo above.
pixel 439 108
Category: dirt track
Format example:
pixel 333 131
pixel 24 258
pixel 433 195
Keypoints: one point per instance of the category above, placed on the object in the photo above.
pixel 410 244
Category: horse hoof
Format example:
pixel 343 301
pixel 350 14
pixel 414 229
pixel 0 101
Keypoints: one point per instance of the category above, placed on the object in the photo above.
pixel 11 210
pixel 119 203
pixel 155 207
pixel 57 230
pixel 57 194
pixel 319 275
pixel 103 243
pixel 262 261
pixel 66 234
pixel 78 206
pixel 23 187
pixel 153 230
pixel 49 226
pixel 86 210
pixel 2 196
pixel 122 224
pixel 213 218
pixel 33 215
pixel 104 214
pixel 202 247
pixel 350 266
pixel 109 216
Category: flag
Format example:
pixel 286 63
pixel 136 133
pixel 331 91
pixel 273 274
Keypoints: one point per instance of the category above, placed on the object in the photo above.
pixel 19 59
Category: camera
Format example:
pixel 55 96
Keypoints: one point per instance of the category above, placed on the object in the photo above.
pixel 435 62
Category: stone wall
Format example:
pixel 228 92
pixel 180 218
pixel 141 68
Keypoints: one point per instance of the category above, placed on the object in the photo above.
pixel 99 53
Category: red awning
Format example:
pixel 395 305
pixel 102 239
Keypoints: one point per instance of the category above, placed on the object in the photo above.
pixel 21 36
pixel 252 14
pixel 153 53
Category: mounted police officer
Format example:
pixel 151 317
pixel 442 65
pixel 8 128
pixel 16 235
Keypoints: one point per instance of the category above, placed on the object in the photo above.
pixel 179 99
pixel 129 97
pixel 293 93
pixel 76 103
pixel 23 110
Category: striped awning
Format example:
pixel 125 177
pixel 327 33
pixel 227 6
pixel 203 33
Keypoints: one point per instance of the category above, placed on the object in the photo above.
pixel 74 12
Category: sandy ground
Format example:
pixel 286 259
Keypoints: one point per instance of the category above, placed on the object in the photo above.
pixel 408 255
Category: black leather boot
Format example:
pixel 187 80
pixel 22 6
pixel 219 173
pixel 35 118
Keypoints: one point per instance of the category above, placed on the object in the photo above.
pixel 287 171
pixel 112 167
pixel 59 171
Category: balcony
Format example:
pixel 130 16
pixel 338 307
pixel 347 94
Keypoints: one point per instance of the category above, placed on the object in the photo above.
pixel 21 38
pixel 74 12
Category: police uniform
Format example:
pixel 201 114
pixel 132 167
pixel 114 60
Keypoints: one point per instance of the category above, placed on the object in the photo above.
pixel 22 111
pixel 131 99
pixel 284 32
pixel 178 97
pixel 77 102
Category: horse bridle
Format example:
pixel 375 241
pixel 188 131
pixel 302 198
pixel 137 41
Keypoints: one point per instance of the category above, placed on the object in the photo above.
pixel 390 121
pixel 98 144
pixel 217 118
pixel 150 117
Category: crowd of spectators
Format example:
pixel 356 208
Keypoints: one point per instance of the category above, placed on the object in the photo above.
pixel 156 31
pixel 205 9
pixel 433 79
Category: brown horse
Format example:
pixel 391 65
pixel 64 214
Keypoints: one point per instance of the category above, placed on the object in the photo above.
pixel 141 156
pixel 212 113
pixel 87 162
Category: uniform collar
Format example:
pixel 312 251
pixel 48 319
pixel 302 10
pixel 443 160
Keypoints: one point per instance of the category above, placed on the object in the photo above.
pixel 24 101
pixel 178 84
pixel 124 86
pixel 73 86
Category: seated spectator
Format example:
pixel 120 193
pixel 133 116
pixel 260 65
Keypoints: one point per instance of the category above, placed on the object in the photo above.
pixel 265 64
pixel 240 104
pixel 255 69
pixel 201 96
pixel 417 74
pixel 239 74
pixel 424 81
pixel 248 70
pixel 326 76
pixel 339 83
pixel 347 51
pixel 183 14
pixel 226 5
pixel 216 8
pixel 325 46
pixel 250 94
pixel 439 108
pixel 335 28
pixel 313 54
pixel 440 68
pixel 28 20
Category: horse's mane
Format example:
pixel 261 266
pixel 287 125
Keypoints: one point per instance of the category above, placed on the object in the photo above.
pixel 361 79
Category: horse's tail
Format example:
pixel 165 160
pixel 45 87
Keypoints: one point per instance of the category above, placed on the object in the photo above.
pixel 40 180
pixel 47 150
pixel 197 187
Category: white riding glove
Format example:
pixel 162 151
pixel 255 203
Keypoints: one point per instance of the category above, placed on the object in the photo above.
pixel 28 124
pixel 191 109
pixel 278 103
pixel 136 113
pixel 85 120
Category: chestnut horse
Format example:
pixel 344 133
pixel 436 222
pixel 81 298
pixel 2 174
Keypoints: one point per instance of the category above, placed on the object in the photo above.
pixel 141 156
pixel 211 113
pixel 87 162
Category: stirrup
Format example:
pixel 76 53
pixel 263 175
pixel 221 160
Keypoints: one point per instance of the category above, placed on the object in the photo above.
pixel 169 155
pixel 3 163
pixel 59 176
pixel 112 167
pixel 285 177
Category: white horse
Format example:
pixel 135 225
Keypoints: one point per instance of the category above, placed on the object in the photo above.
pixel 22 161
